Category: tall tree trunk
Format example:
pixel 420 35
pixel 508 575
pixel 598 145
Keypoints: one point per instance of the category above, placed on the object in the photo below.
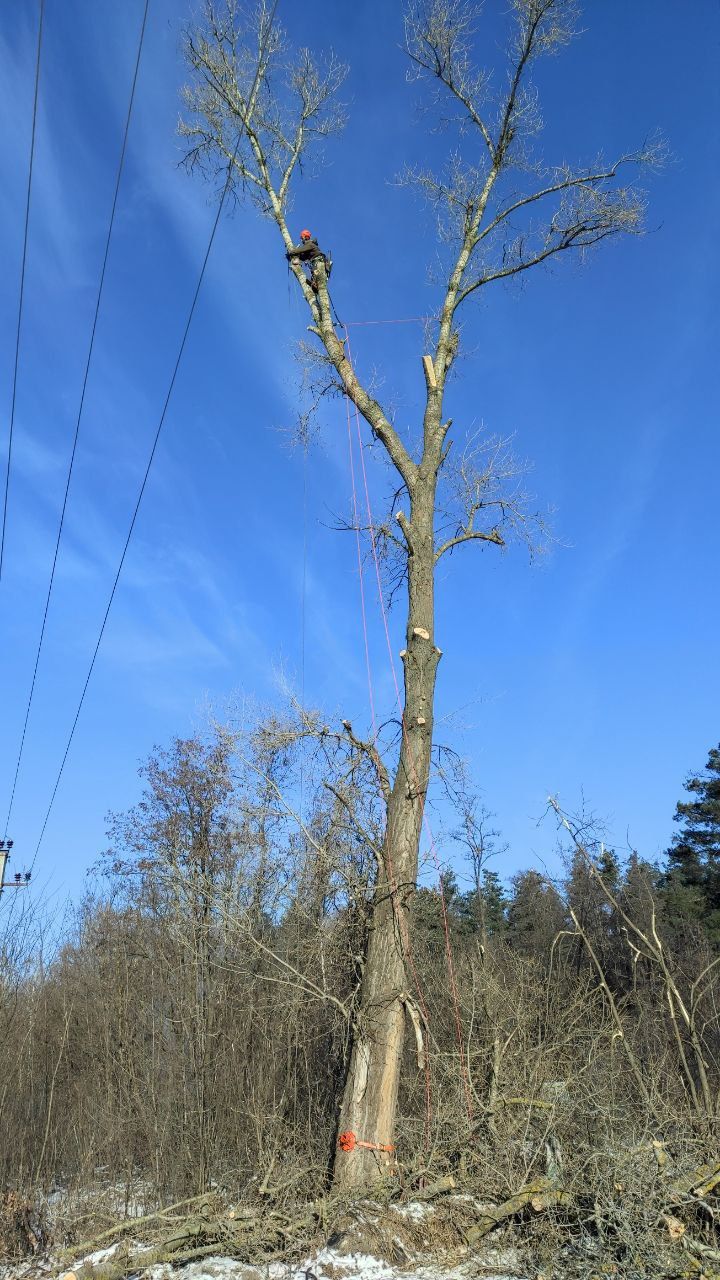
pixel 579 208
pixel 369 1102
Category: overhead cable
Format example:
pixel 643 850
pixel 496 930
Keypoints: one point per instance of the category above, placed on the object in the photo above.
pixel 221 203
pixel 80 410
pixel 22 286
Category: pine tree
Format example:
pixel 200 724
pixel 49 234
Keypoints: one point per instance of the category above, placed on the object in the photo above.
pixel 587 899
pixel 428 913
pixel 639 891
pixel 692 880
pixel 535 914
pixel 494 902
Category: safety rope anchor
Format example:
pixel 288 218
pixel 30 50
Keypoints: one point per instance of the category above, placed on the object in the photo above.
pixel 348 1141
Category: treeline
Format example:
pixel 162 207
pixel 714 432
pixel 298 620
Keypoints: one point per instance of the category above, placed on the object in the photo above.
pixel 193 1024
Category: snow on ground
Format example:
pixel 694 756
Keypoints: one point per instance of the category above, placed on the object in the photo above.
pixel 346 1262
pixel 415 1210
pixel 328 1264
pixel 121 1199
pixel 101 1255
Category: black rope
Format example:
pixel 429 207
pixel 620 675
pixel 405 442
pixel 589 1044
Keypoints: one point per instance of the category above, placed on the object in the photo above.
pixel 22 285
pixel 80 412
pixel 338 321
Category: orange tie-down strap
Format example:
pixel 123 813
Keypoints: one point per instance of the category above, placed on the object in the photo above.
pixel 348 1142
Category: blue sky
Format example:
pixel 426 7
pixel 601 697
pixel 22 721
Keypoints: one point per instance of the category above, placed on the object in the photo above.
pixel 594 673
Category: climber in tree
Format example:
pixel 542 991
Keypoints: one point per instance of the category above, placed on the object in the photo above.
pixel 309 252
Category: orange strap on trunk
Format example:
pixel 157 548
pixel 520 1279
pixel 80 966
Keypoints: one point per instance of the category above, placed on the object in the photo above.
pixel 348 1142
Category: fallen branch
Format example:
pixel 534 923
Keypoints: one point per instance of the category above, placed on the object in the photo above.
pixel 127 1226
pixel 442 1187
pixel 699 1184
pixel 537 1196
pixel 242 1233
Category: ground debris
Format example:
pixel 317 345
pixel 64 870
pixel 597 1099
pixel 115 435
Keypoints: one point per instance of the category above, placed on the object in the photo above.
pixel 562 1232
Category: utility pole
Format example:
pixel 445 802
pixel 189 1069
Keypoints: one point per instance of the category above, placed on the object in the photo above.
pixel 19 880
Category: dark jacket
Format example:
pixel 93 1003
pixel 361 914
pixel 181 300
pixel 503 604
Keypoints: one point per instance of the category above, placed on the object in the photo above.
pixel 306 251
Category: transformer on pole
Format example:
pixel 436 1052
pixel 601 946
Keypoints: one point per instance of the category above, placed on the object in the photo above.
pixel 20 880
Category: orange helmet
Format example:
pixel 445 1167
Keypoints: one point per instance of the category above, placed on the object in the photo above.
pixel 305 235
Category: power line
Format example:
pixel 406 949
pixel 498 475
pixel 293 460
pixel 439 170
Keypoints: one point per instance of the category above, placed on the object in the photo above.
pixel 22 284
pixel 80 409
pixel 226 188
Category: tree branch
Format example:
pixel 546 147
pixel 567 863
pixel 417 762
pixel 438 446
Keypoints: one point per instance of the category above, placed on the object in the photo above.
pixel 580 237
pixel 373 754
pixel 472 535
pixel 573 180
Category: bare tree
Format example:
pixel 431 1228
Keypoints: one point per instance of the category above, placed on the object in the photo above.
pixel 689 1020
pixel 184 825
pixel 501 212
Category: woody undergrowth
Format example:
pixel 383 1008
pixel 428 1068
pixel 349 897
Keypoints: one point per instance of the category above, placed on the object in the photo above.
pixel 186 1041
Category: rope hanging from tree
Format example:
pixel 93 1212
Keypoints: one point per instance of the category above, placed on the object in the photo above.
pixel 407 946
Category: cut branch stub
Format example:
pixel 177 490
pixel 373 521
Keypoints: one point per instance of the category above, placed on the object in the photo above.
pixel 429 368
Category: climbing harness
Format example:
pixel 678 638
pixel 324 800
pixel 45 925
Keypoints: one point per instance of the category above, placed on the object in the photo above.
pixel 308 252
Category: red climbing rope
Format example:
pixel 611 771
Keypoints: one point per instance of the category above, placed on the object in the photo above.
pixel 404 320
pixel 446 925
pixel 361 576
pixel 399 916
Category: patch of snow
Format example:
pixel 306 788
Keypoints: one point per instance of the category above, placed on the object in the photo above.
pixel 209 1269
pixel 326 1264
pixel 101 1255
pixel 416 1210
pixel 92 1259
pixel 123 1200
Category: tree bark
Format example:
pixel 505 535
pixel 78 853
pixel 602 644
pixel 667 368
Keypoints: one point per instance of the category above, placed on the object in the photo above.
pixel 371 1090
